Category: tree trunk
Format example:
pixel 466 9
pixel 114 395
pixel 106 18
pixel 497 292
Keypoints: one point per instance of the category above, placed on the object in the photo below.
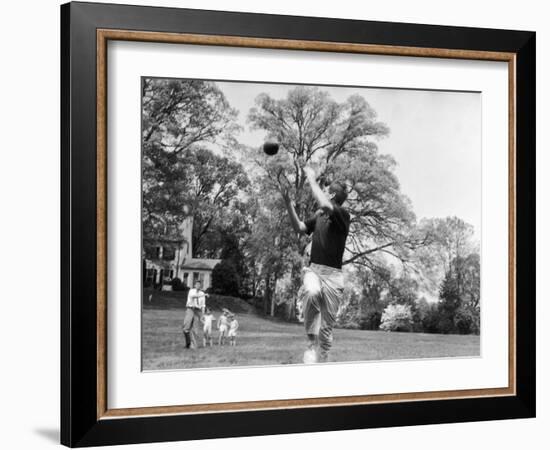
pixel 267 293
pixel 253 284
pixel 143 272
pixel 272 299
pixel 295 282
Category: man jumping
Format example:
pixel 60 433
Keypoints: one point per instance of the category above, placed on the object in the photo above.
pixel 323 284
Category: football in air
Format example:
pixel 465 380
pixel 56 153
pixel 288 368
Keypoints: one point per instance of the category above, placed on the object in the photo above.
pixel 271 148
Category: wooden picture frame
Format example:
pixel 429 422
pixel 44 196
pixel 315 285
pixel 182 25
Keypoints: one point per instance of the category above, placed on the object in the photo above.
pixel 86 418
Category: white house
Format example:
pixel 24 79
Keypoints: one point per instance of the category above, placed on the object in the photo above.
pixel 169 258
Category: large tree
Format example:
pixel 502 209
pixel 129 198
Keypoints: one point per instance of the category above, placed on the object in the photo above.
pixel 459 296
pixel 451 241
pixel 180 175
pixel 216 192
pixel 339 141
pixel 364 310
pixel 269 248
pixel 177 114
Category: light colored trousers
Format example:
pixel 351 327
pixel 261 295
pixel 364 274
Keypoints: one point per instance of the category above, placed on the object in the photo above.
pixel 320 295
pixel 192 324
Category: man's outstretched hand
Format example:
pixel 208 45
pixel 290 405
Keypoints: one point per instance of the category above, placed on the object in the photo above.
pixel 323 201
pixel 310 173
pixel 283 183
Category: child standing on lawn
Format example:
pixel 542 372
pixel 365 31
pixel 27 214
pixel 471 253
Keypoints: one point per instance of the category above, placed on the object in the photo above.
pixel 207 320
pixel 223 326
pixel 233 327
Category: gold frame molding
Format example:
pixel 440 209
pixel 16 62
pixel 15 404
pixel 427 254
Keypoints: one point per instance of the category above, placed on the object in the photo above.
pixel 103 36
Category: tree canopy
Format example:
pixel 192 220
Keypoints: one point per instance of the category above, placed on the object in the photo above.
pixel 339 141
pixel 181 176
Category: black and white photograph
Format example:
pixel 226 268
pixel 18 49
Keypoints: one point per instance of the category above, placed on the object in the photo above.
pixel 302 224
pixel 275 225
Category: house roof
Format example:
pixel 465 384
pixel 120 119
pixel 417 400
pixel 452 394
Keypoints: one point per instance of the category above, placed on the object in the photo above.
pixel 200 263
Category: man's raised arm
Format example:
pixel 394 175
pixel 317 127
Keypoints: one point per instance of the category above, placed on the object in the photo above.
pixel 324 202
pixel 297 224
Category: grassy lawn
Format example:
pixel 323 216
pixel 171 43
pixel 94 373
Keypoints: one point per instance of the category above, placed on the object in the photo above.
pixel 262 341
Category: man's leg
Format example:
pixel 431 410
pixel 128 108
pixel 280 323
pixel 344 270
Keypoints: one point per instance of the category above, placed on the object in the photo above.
pixel 325 340
pixel 330 302
pixel 187 324
pixel 196 327
pixel 310 295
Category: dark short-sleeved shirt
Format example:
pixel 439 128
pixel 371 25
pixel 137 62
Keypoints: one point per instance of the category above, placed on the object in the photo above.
pixel 330 230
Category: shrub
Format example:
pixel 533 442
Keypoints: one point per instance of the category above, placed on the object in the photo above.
pixel 177 285
pixel 225 279
pixel 397 318
pixel 446 325
pixel 466 321
pixel 430 319
pixel 349 325
pixel 371 320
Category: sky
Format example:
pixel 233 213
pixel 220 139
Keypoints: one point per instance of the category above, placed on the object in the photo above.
pixel 435 138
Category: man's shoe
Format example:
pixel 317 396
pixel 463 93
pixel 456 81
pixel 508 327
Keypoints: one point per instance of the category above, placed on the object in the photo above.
pixel 310 356
pixel 187 339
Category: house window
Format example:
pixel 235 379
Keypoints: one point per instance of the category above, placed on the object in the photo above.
pixel 186 279
pixel 166 274
pixel 168 253
pixel 199 276
pixel 152 252
pixel 150 276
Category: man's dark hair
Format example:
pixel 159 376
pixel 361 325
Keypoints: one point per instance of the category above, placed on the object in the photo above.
pixel 339 190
